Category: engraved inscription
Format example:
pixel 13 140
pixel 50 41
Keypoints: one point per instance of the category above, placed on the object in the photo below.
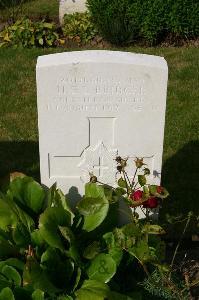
pixel 80 94
pixel 89 108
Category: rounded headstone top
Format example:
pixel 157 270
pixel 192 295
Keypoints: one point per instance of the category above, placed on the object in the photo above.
pixel 102 56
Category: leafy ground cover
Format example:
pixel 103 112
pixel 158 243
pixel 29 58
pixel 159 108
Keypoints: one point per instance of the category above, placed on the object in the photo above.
pixel 92 258
pixel 19 133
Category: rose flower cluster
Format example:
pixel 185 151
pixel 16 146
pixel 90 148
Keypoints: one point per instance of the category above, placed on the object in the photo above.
pixel 151 202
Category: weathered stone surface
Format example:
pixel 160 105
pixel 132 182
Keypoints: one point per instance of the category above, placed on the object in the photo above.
pixel 95 104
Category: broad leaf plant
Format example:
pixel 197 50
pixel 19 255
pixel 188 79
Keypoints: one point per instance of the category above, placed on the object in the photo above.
pixel 49 251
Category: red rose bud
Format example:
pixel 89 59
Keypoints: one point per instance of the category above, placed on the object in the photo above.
pixel 151 203
pixel 159 189
pixel 136 196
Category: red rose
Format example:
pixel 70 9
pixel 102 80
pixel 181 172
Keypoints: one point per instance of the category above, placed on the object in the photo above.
pixel 136 196
pixel 151 203
pixel 159 189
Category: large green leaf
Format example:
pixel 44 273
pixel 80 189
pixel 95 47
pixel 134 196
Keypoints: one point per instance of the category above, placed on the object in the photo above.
pixel 141 251
pixel 56 198
pixel 34 196
pixel 38 295
pixel 28 192
pixel 90 206
pixel 102 268
pixel 35 276
pixel 18 213
pixel 7 294
pixel 17 187
pixel 49 223
pixel 92 250
pixel 92 221
pixel 4 283
pixel 37 238
pixel 54 263
pixel 113 249
pixel 21 235
pixel 15 262
pixel 71 243
pixel 6 216
pixel 93 190
pixel 11 274
pixel 92 290
pixel 67 234
pixel 24 218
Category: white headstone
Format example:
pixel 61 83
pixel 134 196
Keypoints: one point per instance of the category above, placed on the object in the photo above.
pixel 70 7
pixel 95 104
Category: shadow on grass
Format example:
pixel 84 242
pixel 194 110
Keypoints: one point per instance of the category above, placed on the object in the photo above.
pixel 19 156
pixel 180 175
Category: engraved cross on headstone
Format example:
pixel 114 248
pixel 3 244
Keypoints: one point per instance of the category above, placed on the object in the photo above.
pixel 101 167
pixel 97 158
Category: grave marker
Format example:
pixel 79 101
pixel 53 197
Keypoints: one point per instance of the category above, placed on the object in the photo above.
pixel 95 104
pixel 70 7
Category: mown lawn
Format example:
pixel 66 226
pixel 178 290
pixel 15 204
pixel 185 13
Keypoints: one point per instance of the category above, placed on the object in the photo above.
pixel 19 133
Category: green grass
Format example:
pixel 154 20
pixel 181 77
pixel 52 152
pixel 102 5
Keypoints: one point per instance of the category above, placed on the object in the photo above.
pixel 34 9
pixel 19 133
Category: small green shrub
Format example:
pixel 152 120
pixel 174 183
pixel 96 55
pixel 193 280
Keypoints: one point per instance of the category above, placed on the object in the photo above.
pixel 182 18
pixel 124 21
pixel 79 27
pixel 117 20
pixel 176 18
pixel 152 20
pixel 29 34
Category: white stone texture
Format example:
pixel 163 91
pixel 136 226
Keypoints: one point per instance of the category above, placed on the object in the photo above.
pixel 95 104
pixel 70 7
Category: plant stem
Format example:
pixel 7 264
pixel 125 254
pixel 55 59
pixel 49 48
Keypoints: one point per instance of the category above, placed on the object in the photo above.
pixel 145 268
pixel 134 178
pixel 143 212
pixel 106 184
pixel 127 178
pixel 135 186
pixel 127 187
pixel 147 214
